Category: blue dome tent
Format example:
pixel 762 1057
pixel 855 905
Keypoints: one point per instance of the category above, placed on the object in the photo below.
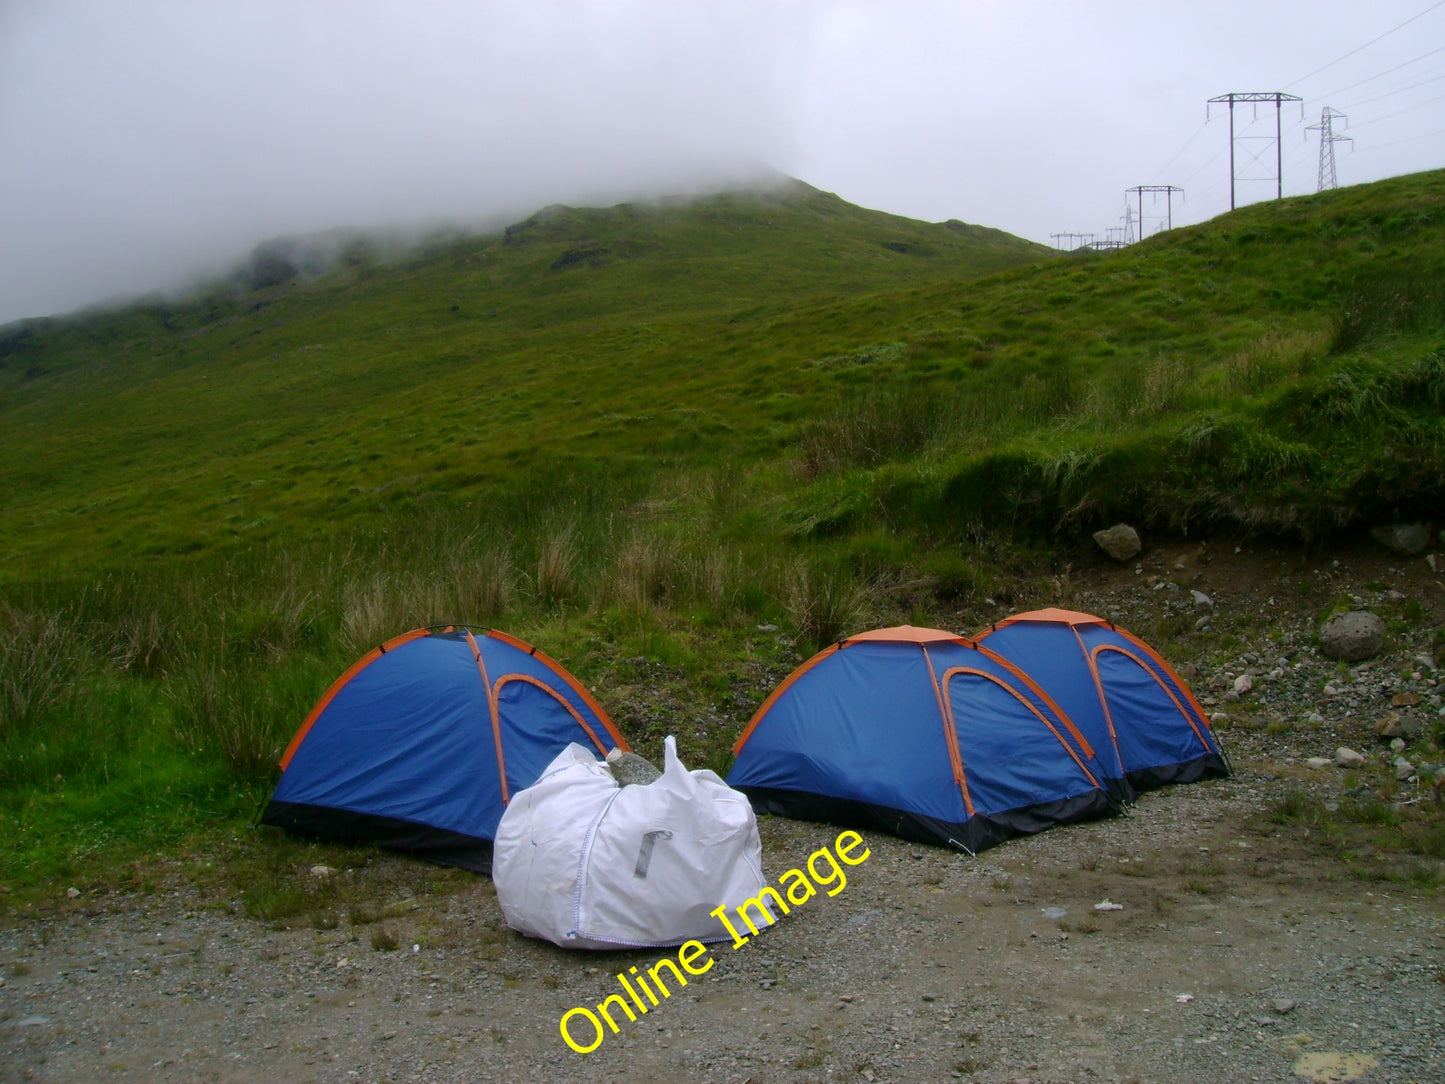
pixel 922 734
pixel 1142 720
pixel 420 744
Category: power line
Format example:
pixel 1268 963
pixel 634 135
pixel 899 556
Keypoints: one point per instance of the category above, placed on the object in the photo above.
pixel 1392 93
pixel 1181 150
pixel 1407 109
pixel 1381 75
pixel 1407 139
pixel 1211 160
pixel 1386 34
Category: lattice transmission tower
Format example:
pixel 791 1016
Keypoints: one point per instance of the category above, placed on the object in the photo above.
pixel 1328 139
pixel 1167 190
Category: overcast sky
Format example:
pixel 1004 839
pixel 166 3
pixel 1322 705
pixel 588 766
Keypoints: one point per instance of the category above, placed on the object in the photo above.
pixel 143 143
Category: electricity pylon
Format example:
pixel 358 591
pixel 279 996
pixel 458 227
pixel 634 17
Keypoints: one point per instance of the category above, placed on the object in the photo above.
pixel 1167 189
pixel 1268 96
pixel 1328 139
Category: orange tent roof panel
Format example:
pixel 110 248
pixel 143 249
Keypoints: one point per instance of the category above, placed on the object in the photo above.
pixel 910 634
pixel 1065 617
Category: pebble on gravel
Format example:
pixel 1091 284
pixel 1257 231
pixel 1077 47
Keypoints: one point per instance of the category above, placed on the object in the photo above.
pixel 1345 757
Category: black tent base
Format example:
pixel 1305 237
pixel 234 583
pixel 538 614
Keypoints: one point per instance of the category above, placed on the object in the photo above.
pixel 1208 766
pixel 438 845
pixel 978 833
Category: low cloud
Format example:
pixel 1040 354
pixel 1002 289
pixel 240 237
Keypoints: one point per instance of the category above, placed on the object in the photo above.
pixel 150 143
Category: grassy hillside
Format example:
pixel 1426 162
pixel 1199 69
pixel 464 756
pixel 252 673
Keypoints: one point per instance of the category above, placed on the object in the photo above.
pixel 635 435
pixel 630 335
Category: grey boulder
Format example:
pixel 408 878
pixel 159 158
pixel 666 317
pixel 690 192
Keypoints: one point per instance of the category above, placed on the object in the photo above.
pixel 1352 637
pixel 1120 541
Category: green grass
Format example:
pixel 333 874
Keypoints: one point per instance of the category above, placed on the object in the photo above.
pixel 632 436
pixel 1376 838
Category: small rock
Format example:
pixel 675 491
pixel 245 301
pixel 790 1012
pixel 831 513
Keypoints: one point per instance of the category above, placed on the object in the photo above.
pixel 1219 719
pixel 1108 905
pixel 1189 672
pixel 32 1022
pixel 1243 684
pixel 322 871
pixel 630 769
pixel 1397 745
pixel 72 892
pixel 1353 636
pixel 1201 624
pixel 1282 1005
pixel 1403 538
pixel 1394 725
pixel 768 628
pixel 1345 757
pixel 1203 601
pixel 1403 769
pixel 1404 700
pixel 1121 542
pixel 1318 762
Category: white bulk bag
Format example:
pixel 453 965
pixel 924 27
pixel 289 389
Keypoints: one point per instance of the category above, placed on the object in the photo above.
pixel 585 863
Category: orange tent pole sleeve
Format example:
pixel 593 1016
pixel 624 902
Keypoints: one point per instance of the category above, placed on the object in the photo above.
pixel 948 676
pixel 492 710
pixel 1167 691
pixel 572 683
pixel 340 683
pixel 1038 690
pixel 950 733
pixel 576 715
pixel 787 682
pixel 1099 689
pixel 1173 674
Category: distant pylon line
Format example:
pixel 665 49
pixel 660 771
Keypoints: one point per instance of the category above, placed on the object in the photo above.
pixel 1167 189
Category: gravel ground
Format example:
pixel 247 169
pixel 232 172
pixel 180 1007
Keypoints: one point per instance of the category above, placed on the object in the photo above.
pixel 1238 953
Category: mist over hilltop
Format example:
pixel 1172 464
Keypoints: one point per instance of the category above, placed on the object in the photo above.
pixel 145 146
